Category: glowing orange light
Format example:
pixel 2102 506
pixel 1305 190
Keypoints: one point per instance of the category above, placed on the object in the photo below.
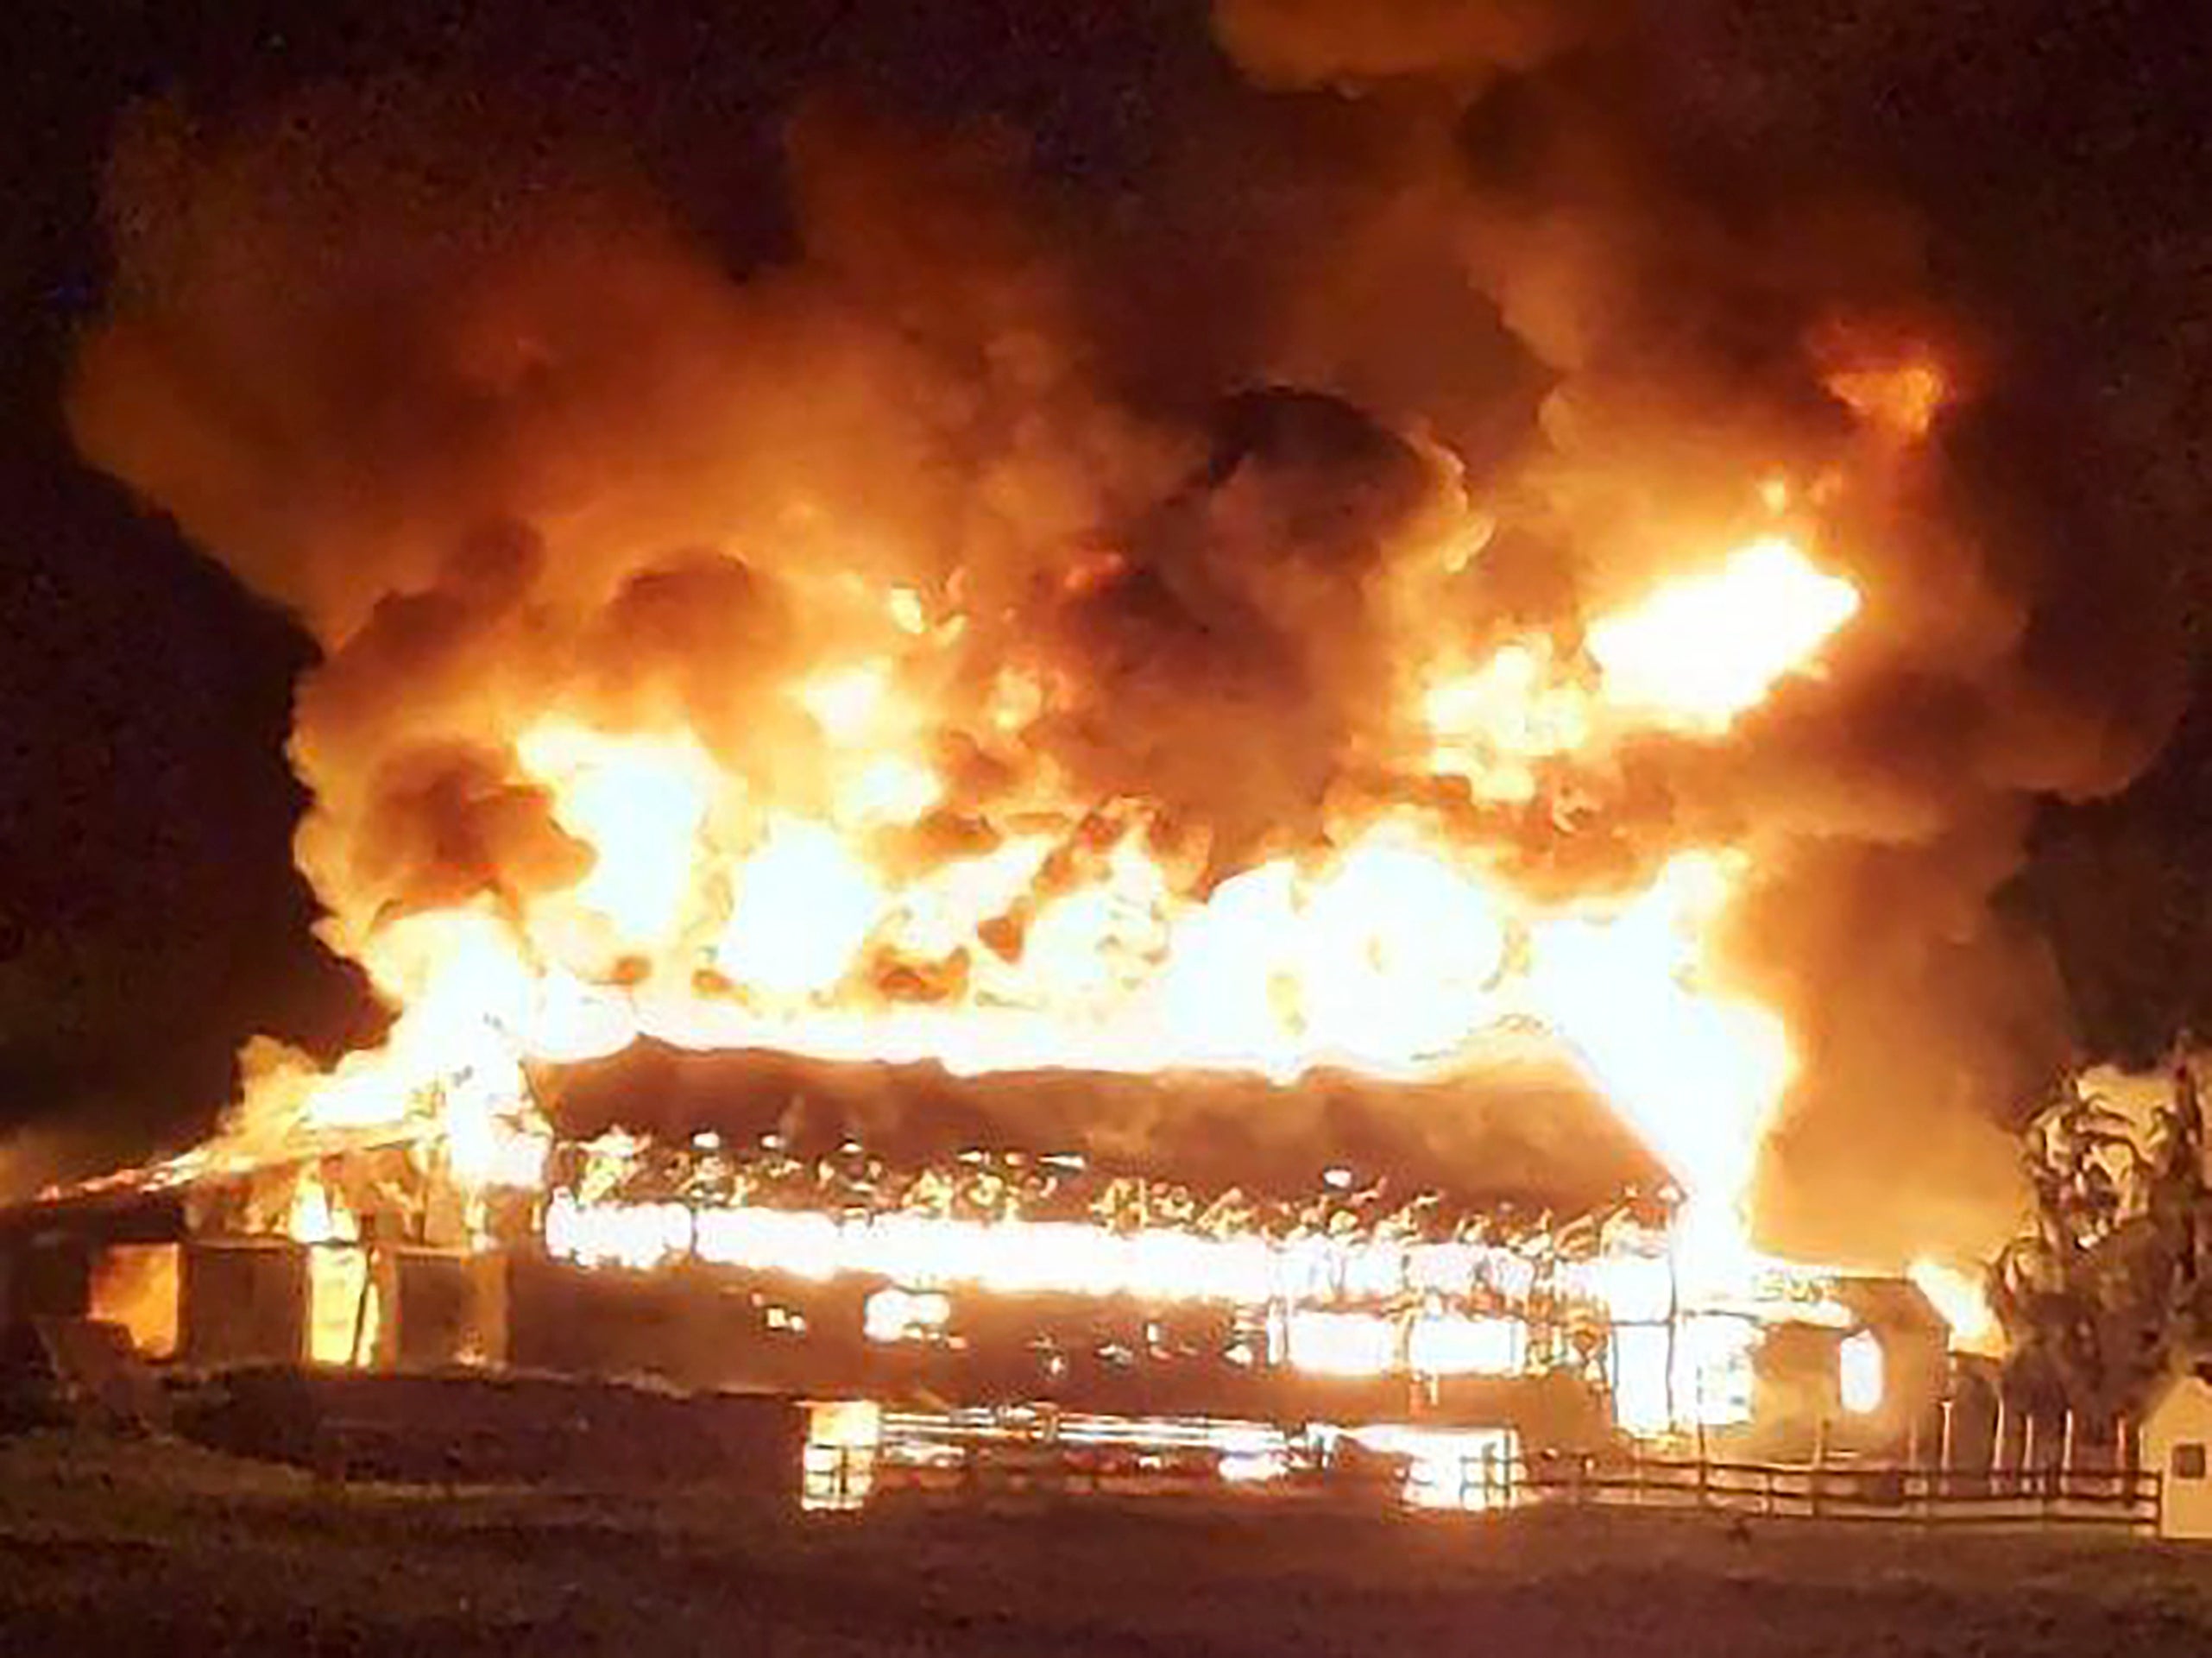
pixel 1705 648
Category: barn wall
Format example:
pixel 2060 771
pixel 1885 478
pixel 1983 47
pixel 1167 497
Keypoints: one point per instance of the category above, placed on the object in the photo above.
pixel 1797 1404
pixel 53 1276
pixel 243 1304
pixel 216 1304
pixel 692 1327
pixel 446 1310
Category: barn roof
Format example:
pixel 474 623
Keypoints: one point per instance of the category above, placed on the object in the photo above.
pixel 1518 1122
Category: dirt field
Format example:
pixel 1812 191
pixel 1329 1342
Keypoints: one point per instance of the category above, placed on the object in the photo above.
pixel 109 1547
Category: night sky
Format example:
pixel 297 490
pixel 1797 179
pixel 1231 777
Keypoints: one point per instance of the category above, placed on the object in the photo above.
pixel 149 915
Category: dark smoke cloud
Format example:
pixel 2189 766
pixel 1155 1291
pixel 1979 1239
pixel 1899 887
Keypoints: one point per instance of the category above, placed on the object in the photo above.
pixel 1306 43
pixel 508 433
pixel 1689 268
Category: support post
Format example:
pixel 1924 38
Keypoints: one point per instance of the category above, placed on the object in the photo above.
pixel 1705 1467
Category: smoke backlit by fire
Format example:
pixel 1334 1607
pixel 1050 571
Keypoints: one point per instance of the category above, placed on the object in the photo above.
pixel 907 653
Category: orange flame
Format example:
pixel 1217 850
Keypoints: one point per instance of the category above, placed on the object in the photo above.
pixel 1704 649
pixel 710 917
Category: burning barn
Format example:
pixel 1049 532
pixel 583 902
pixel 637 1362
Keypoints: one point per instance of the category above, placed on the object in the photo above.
pixel 1186 808
pixel 349 1254
pixel 744 1258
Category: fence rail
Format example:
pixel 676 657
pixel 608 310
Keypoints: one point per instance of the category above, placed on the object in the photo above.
pixel 846 1477
pixel 2085 1495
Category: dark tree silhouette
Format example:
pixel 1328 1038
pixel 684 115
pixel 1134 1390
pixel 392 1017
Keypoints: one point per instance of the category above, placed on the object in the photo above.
pixel 2106 1287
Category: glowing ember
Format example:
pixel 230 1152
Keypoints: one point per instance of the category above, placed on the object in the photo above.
pixel 1902 398
pixel 894 1314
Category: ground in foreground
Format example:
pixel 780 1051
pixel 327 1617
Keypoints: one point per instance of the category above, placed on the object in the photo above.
pixel 108 1546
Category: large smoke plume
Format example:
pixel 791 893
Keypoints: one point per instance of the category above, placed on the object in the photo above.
pixel 511 436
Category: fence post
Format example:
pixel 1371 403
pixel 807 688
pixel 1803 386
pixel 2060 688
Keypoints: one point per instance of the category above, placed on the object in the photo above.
pixel 2066 1456
pixel 1813 1480
pixel 2032 1459
pixel 2125 1459
pixel 2000 1439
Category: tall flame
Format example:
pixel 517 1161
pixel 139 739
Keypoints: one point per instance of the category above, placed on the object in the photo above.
pixel 1705 648
pixel 710 918
pixel 1527 590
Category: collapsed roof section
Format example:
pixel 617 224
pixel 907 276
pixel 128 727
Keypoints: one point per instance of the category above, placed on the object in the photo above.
pixel 1522 1127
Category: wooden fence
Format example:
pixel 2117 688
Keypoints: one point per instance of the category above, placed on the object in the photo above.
pixel 2124 1498
pixel 2113 1499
